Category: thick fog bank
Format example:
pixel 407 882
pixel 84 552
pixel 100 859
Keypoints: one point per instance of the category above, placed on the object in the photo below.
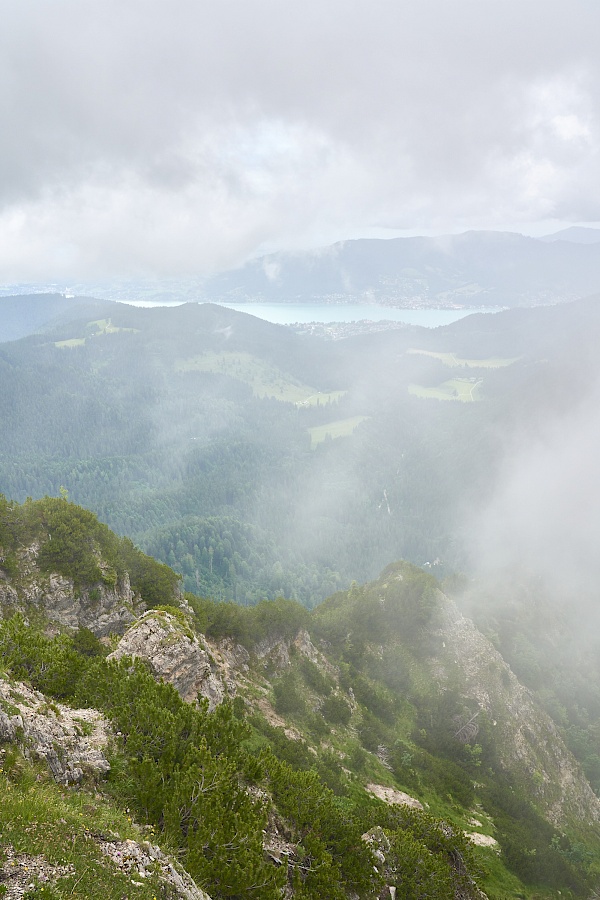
pixel 542 521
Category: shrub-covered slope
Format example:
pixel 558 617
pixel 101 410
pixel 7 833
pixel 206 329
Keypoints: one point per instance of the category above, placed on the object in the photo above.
pixel 378 742
pixel 58 558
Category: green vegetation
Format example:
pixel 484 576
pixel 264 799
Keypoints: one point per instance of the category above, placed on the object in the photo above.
pixel 181 459
pixel 370 712
pixel 454 361
pixel 207 470
pixel 105 326
pixel 38 818
pixel 332 430
pixel 94 329
pixel 275 619
pixel 70 342
pixel 464 389
pixel 380 637
pixel 222 558
pixel 265 380
pixel 185 771
pixel 72 542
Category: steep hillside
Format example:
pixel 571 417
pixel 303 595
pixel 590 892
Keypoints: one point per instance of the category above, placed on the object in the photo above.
pixel 378 742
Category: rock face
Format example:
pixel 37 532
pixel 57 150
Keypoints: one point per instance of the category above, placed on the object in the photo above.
pixel 276 652
pixel 104 610
pixel 139 860
pixel 528 741
pixel 176 656
pixel 393 797
pixel 71 741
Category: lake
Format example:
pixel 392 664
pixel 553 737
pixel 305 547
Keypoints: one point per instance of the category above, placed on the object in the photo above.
pixel 289 313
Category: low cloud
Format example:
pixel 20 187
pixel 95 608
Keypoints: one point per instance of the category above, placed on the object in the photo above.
pixel 543 519
pixel 141 138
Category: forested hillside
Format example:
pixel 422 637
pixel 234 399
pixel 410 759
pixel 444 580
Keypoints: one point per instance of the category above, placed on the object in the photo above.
pixel 258 462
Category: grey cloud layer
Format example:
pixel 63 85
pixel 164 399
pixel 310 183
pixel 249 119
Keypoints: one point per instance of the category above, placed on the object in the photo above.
pixel 180 137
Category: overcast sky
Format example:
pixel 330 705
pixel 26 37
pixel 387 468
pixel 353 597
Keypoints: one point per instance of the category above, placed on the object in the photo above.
pixel 145 137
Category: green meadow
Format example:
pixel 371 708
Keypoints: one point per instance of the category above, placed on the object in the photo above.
pixel 452 360
pixel 264 379
pixel 464 389
pixel 71 342
pixel 339 428
pixel 100 326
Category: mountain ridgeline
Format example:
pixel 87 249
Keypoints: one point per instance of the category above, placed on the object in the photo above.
pixel 377 746
pixel 474 269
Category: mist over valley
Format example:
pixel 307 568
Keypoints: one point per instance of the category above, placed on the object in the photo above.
pixel 299 440
pixel 338 455
pixel 260 462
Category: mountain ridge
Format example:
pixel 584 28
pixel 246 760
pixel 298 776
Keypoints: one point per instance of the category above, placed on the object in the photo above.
pixel 474 269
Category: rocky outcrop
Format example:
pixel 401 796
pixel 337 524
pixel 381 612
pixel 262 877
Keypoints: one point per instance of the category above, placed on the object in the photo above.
pixel 527 740
pixel 103 609
pixel 138 860
pixel 70 741
pixel 275 652
pixel 176 656
pixel 393 796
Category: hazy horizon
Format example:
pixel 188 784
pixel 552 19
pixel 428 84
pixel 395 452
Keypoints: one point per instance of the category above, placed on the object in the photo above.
pixel 142 141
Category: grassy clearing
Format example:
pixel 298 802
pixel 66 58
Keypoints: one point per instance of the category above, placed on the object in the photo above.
pixel 105 326
pixel 41 822
pixel 265 380
pixel 72 342
pixel 467 390
pixel 339 428
pixel 453 361
pixel 95 329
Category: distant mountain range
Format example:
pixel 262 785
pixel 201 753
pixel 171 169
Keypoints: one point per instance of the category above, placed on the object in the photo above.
pixel 476 269
pixel 576 233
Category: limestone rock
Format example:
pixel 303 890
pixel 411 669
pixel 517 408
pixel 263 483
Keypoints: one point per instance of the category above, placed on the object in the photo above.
pixel 138 860
pixel 393 797
pixel 276 651
pixel 101 608
pixel 483 840
pixel 176 656
pixel 305 646
pixel 71 741
pixel 528 741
